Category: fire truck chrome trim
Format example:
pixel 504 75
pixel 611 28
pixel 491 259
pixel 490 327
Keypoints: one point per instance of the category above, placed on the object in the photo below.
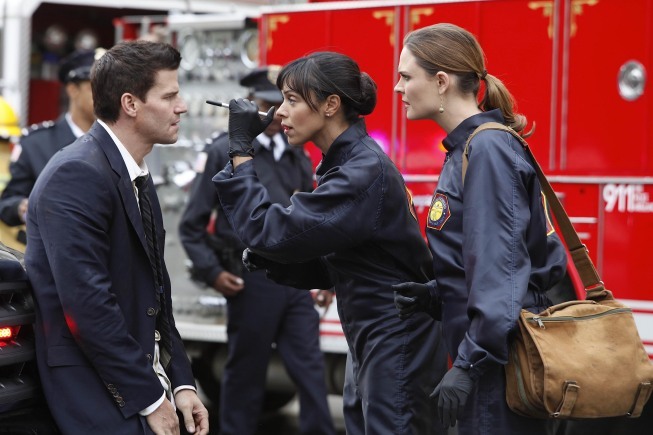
pixel 632 80
pixel 343 5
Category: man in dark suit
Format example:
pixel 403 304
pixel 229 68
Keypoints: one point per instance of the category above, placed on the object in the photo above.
pixel 260 312
pixel 41 141
pixel 109 355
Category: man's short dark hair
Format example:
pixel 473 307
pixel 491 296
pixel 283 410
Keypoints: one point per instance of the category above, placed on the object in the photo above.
pixel 128 67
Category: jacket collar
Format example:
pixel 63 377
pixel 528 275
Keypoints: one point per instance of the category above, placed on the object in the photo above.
pixel 124 184
pixel 460 134
pixel 341 147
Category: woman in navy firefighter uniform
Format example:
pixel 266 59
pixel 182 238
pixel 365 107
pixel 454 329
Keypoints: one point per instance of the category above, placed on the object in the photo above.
pixel 260 312
pixel 356 231
pixel 494 248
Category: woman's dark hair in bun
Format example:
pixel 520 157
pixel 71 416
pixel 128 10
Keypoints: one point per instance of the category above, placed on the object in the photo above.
pixel 318 75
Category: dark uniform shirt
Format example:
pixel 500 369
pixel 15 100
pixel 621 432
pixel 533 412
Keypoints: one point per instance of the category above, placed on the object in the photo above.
pixel 357 230
pixel 493 244
pixel 293 172
pixel 38 145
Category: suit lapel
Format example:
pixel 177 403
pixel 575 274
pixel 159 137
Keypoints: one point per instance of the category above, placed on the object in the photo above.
pixel 124 184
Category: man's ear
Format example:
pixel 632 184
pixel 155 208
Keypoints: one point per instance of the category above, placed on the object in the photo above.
pixel 129 104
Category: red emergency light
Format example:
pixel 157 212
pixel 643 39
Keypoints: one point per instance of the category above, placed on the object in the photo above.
pixel 7 333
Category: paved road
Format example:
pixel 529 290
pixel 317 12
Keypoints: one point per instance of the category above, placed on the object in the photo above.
pixel 284 421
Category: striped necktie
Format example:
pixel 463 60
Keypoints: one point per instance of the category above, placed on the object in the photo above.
pixel 154 254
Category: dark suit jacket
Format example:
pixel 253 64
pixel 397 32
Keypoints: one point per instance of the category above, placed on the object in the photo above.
pixel 94 291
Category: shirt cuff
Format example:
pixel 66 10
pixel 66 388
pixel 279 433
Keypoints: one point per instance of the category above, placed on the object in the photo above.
pixel 183 387
pixel 153 407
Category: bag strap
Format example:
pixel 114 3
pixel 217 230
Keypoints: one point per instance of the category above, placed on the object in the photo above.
pixel 579 253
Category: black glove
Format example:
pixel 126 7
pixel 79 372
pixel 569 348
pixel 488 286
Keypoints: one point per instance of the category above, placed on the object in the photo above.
pixel 411 297
pixel 452 393
pixel 273 271
pixel 244 125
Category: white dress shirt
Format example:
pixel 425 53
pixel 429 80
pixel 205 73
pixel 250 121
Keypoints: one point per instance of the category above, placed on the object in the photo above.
pixel 279 144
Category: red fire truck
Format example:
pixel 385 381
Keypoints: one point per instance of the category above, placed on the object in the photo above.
pixel 577 68
pixel 549 53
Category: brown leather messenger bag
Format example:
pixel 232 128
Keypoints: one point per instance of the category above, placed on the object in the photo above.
pixel 578 359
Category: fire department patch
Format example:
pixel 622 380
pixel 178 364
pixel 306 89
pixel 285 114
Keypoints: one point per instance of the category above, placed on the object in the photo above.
pixel 439 212
pixel 550 229
pixel 411 205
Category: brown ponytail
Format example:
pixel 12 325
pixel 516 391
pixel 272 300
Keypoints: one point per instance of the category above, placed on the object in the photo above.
pixel 497 96
pixel 452 49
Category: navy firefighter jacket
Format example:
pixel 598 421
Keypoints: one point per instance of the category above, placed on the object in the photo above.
pixel 38 144
pixel 356 231
pixel 494 248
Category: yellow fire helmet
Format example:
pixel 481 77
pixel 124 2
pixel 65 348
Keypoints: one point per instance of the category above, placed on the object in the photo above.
pixel 9 126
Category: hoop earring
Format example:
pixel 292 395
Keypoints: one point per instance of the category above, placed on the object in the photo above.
pixel 441 109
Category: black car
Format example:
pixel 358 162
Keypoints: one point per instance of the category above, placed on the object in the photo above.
pixel 22 407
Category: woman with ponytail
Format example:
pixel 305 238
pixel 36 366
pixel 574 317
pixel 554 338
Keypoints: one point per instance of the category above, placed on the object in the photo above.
pixel 356 232
pixel 494 249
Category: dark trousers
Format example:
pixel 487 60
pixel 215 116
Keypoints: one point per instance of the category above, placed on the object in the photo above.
pixel 262 314
pixel 487 412
pixel 388 392
pixel 642 425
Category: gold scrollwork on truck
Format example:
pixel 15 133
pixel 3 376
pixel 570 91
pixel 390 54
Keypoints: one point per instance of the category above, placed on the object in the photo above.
pixel 547 11
pixel 577 9
pixel 273 25
pixel 416 15
pixel 389 17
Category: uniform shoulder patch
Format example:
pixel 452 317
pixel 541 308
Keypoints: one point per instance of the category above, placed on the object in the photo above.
pixel 15 152
pixel 439 212
pixel 411 205
pixel 550 229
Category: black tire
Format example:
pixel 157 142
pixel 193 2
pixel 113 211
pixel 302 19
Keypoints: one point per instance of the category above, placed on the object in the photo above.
pixel 35 420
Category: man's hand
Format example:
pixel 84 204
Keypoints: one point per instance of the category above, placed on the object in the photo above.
pixel 323 299
pixel 452 393
pixel 228 284
pixel 244 125
pixel 164 421
pixel 411 297
pixel 196 417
